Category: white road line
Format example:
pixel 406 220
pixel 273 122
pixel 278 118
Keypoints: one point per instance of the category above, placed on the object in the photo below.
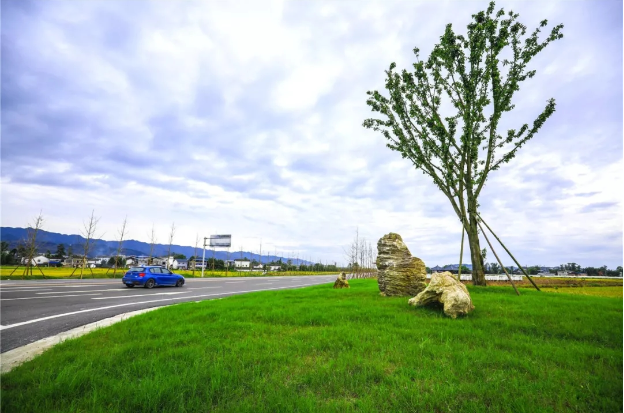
pixel 49 296
pixel 17 286
pixel 202 288
pixel 127 304
pixel 130 296
pixel 234 282
pixel 87 291
pixel 19 289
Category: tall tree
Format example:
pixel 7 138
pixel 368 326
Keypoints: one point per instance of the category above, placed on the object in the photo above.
pixel 171 234
pixel 88 233
pixel 60 251
pixel 122 233
pixel 153 241
pixel 458 151
pixel 31 245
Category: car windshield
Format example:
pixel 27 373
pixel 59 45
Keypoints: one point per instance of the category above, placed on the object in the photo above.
pixel 136 269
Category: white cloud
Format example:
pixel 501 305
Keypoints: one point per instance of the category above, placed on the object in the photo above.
pixel 246 117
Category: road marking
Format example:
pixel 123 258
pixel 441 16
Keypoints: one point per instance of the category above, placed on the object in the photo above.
pixel 86 291
pixel 234 282
pixel 19 289
pixel 202 288
pixel 17 286
pixel 127 304
pixel 138 295
pixel 49 296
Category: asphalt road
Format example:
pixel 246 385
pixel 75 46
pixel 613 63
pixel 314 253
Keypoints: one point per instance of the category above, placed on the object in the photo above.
pixel 32 310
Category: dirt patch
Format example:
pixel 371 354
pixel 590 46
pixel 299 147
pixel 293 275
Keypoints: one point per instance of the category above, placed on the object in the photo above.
pixel 559 282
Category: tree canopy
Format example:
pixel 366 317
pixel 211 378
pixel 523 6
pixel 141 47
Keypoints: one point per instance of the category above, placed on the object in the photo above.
pixel 444 116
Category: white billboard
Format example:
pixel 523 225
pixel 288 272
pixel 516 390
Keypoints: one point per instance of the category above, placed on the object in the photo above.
pixel 221 240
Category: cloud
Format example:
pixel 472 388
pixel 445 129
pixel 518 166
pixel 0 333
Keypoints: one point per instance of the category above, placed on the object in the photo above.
pixel 246 118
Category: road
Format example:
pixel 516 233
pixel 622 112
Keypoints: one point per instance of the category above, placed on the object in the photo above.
pixel 35 309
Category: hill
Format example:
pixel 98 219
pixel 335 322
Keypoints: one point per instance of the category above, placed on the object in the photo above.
pixel 48 241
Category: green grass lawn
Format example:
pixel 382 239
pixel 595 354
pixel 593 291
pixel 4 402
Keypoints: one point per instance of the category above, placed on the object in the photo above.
pixel 319 349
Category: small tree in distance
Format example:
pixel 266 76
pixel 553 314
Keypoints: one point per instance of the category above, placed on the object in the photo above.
pixel 460 150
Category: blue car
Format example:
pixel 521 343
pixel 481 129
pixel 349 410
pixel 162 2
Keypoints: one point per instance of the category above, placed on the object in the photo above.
pixel 151 276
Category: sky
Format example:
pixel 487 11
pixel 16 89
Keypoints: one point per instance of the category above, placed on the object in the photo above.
pixel 245 118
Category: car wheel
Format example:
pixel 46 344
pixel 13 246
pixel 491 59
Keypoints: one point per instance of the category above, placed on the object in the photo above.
pixel 179 283
pixel 129 285
pixel 150 283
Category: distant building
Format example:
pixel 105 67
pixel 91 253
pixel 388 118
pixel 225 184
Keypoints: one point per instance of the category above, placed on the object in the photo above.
pixel 39 261
pixel 180 264
pixel 242 263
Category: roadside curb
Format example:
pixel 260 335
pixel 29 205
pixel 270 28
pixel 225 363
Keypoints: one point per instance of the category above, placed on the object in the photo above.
pixel 17 356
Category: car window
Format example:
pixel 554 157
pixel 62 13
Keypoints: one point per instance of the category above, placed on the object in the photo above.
pixel 155 270
pixel 166 271
pixel 136 269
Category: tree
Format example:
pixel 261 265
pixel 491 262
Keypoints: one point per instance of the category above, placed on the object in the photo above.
pixel 60 251
pixel 171 234
pixel 117 261
pixel 467 70
pixel 88 234
pixel 179 256
pixel 494 268
pixel 122 233
pixel 29 249
pixel 7 257
pixel 152 244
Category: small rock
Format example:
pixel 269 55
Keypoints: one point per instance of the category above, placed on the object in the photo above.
pixel 445 289
pixel 399 274
pixel 341 281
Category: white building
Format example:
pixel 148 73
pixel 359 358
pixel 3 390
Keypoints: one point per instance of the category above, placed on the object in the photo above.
pixel 40 260
pixel 243 263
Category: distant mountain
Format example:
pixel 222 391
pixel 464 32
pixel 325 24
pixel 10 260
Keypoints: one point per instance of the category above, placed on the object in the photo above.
pixel 49 240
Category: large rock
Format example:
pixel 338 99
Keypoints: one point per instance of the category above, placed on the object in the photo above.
pixel 399 274
pixel 341 281
pixel 446 290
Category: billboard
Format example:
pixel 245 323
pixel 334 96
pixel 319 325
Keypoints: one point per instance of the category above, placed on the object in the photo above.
pixel 221 240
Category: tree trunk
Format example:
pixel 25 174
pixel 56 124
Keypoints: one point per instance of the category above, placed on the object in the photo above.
pixel 478 273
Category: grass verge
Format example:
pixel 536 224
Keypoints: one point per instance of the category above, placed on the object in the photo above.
pixel 319 349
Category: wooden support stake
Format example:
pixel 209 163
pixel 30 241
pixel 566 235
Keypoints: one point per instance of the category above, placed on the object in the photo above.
pixel 512 257
pixel 461 253
pixel 498 259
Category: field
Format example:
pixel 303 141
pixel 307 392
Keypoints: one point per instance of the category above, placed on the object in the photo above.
pixel 319 349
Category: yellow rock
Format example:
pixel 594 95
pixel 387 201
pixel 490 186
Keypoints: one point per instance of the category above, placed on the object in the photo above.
pixel 445 289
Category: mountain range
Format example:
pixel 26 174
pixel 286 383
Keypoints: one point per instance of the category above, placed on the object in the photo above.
pixel 48 241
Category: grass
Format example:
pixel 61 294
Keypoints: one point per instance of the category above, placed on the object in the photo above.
pixel 319 349
pixel 65 272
